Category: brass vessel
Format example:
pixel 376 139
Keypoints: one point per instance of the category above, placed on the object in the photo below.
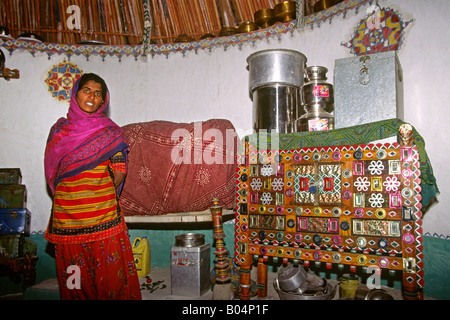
pixel 247 26
pixel 325 4
pixel 285 11
pixel 265 17
pixel 183 38
pixel 207 36
pixel 227 31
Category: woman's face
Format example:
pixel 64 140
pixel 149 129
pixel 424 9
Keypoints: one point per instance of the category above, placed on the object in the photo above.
pixel 90 97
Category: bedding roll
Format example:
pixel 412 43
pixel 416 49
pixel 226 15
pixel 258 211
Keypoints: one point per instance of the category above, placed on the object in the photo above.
pixel 179 167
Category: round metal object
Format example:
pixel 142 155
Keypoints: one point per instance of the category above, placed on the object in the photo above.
pixel 264 17
pixel 247 26
pixel 336 211
pixel 346 173
pixel 183 38
pixel 291 278
pixel 358 154
pixel 92 42
pixel 276 66
pixel 189 240
pixel 380 213
pixel 275 79
pixel 227 31
pixel 326 293
pixel 364 293
pixel 285 11
pixel 361 242
pixel 317 90
pixel 361 259
pixel 324 4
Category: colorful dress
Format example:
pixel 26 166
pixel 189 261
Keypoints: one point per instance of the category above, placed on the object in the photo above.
pixel 94 259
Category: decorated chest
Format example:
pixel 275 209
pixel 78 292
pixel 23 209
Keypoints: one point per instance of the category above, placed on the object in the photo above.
pixel 10 176
pixel 15 221
pixel 13 196
pixel 348 207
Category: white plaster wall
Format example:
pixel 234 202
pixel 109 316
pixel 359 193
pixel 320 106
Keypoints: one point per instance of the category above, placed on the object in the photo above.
pixel 215 85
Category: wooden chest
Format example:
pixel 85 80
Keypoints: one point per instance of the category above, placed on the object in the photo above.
pixel 10 176
pixel 13 196
pixel 344 208
pixel 15 221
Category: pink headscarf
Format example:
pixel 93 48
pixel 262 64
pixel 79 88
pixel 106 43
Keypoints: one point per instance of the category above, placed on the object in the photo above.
pixel 81 142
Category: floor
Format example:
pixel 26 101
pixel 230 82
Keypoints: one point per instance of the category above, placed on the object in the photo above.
pixel 160 289
pixel 161 276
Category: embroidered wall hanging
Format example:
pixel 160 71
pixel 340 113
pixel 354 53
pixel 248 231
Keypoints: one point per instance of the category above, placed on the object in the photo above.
pixel 380 31
pixel 60 79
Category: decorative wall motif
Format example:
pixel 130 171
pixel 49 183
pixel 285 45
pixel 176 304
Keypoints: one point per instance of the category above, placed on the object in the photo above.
pixel 380 31
pixel 61 78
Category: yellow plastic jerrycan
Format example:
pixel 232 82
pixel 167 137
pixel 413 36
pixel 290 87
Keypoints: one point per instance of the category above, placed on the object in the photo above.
pixel 141 255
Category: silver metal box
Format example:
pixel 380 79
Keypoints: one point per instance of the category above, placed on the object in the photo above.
pixel 190 270
pixel 367 90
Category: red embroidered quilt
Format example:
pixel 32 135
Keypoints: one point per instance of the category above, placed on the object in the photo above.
pixel 179 167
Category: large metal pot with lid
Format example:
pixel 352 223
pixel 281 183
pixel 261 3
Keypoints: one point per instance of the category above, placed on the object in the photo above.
pixel 275 79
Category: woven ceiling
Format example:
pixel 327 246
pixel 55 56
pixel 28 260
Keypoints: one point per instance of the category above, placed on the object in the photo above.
pixel 121 22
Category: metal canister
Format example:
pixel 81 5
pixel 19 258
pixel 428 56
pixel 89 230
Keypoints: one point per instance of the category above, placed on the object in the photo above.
pixel 348 285
pixel 317 97
pixel 190 265
pixel 275 79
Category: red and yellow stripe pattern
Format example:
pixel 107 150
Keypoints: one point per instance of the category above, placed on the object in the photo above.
pixel 85 207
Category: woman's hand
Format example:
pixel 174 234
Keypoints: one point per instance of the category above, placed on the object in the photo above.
pixel 118 178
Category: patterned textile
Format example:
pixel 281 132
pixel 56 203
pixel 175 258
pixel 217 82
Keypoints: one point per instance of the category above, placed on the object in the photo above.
pixel 85 208
pixel 361 134
pixel 179 167
pixel 80 142
pixel 382 30
pixel 107 270
pixel 60 79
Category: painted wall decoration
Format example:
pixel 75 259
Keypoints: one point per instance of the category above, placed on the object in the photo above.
pixel 380 31
pixel 60 79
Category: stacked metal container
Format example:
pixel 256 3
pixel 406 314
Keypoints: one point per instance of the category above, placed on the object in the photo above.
pixel 190 265
pixel 290 97
pixel 275 79
pixel 14 215
pixel 317 100
pixel 368 89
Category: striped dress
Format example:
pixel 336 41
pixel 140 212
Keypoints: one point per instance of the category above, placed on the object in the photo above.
pixel 89 231
pixel 85 208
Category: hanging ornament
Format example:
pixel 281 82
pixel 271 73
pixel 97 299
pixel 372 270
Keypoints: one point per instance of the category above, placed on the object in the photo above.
pixel 61 78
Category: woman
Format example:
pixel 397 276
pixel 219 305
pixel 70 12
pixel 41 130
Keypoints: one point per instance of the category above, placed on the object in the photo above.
pixel 85 166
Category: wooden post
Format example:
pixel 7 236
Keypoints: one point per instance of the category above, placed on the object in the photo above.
pixel 262 278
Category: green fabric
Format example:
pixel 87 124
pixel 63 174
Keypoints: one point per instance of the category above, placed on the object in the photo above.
pixel 361 134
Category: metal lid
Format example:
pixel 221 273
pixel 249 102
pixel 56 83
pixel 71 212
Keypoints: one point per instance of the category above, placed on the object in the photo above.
pixel 276 66
pixel 190 240
pixel 316 73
